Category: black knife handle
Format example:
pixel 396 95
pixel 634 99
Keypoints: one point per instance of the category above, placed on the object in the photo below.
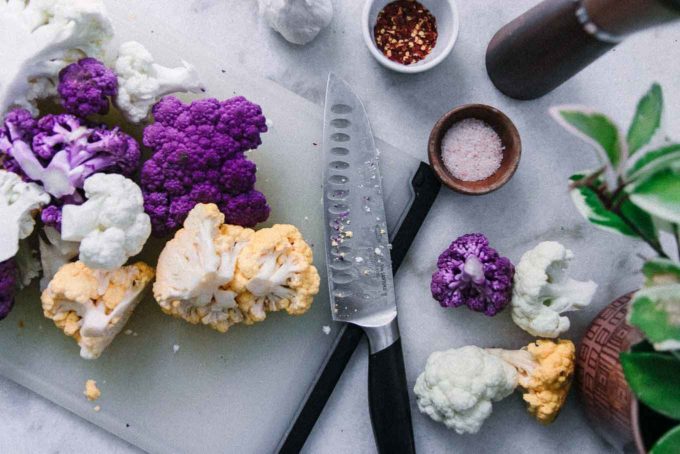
pixel 388 401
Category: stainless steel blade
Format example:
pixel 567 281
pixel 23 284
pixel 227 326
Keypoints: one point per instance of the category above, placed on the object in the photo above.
pixel 357 244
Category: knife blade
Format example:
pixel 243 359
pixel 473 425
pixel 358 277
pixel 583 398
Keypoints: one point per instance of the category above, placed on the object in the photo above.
pixel 358 259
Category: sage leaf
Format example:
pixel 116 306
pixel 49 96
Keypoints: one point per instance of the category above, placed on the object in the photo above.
pixel 660 271
pixel 593 127
pixel 654 161
pixel 659 195
pixel 655 380
pixel 588 203
pixel 669 443
pixel 647 119
pixel 656 312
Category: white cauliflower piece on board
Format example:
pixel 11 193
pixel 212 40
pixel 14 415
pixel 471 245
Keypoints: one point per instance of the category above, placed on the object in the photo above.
pixel 196 269
pixel 111 225
pixel 142 83
pixel 542 290
pixel 19 201
pixel 92 306
pixel 298 21
pixel 42 37
pixel 275 272
pixel 54 253
pixel 459 385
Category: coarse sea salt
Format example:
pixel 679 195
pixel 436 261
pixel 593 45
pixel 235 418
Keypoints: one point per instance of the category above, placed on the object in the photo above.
pixel 472 150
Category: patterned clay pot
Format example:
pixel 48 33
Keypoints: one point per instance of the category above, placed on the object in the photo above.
pixel 608 401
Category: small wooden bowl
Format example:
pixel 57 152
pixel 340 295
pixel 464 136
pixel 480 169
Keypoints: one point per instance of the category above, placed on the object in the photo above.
pixel 505 129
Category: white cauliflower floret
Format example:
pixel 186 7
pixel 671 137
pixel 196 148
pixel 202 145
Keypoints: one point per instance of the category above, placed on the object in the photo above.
pixel 196 270
pixel 459 385
pixel 111 226
pixel 28 263
pixel 42 37
pixel 18 203
pixel 275 272
pixel 54 253
pixel 92 306
pixel 542 290
pixel 142 83
pixel 298 21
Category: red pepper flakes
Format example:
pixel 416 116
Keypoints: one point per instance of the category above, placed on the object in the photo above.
pixel 406 32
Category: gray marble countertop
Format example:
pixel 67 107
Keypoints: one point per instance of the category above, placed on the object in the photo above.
pixel 403 109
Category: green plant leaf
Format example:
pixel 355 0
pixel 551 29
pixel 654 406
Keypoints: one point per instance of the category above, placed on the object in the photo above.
pixel 669 443
pixel 593 127
pixel 647 119
pixel 656 312
pixel 641 220
pixel 659 195
pixel 591 207
pixel 660 271
pixel 654 161
pixel 655 380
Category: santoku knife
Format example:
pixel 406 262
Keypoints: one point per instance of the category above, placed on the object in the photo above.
pixel 358 260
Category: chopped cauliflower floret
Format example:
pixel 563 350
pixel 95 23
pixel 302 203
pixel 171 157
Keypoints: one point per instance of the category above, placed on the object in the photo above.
pixel 91 391
pixel 196 269
pixel 275 272
pixel 92 306
pixel 219 275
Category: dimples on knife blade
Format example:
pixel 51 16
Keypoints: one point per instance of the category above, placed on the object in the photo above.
pixel 357 244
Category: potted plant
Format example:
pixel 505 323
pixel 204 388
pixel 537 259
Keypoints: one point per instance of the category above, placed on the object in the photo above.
pixel 635 192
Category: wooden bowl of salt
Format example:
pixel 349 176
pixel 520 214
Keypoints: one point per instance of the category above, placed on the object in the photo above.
pixel 474 149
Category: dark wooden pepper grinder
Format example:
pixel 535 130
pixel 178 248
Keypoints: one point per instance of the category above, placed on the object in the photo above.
pixel 550 43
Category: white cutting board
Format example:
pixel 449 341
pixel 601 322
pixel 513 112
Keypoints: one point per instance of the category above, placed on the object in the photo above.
pixel 233 392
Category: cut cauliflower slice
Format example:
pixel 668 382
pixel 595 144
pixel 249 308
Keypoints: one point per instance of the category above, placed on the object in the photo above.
pixel 543 291
pixel 18 203
pixel 275 272
pixel 92 306
pixel 196 270
pixel 111 226
pixel 54 253
pixel 142 82
pixel 41 38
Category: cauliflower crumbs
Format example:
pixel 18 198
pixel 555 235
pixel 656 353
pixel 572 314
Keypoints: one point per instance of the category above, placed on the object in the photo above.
pixel 91 391
pixel 175 348
pixel 128 332
pixel 97 408
pixel 326 330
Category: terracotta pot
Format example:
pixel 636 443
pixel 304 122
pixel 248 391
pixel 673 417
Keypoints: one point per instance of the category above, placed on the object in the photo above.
pixel 615 413
pixel 609 403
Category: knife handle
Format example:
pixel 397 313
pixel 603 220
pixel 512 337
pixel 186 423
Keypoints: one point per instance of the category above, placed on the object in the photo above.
pixel 388 401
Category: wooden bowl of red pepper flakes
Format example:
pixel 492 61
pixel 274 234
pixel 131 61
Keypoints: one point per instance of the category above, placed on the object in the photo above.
pixel 410 36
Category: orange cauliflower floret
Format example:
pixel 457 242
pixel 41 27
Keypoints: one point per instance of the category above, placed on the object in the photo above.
pixel 196 270
pixel 220 275
pixel 275 272
pixel 545 371
pixel 92 306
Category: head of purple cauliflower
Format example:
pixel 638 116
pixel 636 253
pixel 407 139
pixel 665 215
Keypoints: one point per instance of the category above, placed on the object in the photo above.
pixel 198 157
pixel 471 273
pixel 9 277
pixel 85 87
pixel 61 151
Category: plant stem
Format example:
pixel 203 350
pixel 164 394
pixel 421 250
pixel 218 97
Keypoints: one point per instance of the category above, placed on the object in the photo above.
pixel 676 235
pixel 654 244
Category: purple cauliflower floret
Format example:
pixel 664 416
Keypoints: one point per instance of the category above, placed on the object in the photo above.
pixel 85 87
pixel 51 216
pixel 198 157
pixel 471 273
pixel 9 280
pixel 60 151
